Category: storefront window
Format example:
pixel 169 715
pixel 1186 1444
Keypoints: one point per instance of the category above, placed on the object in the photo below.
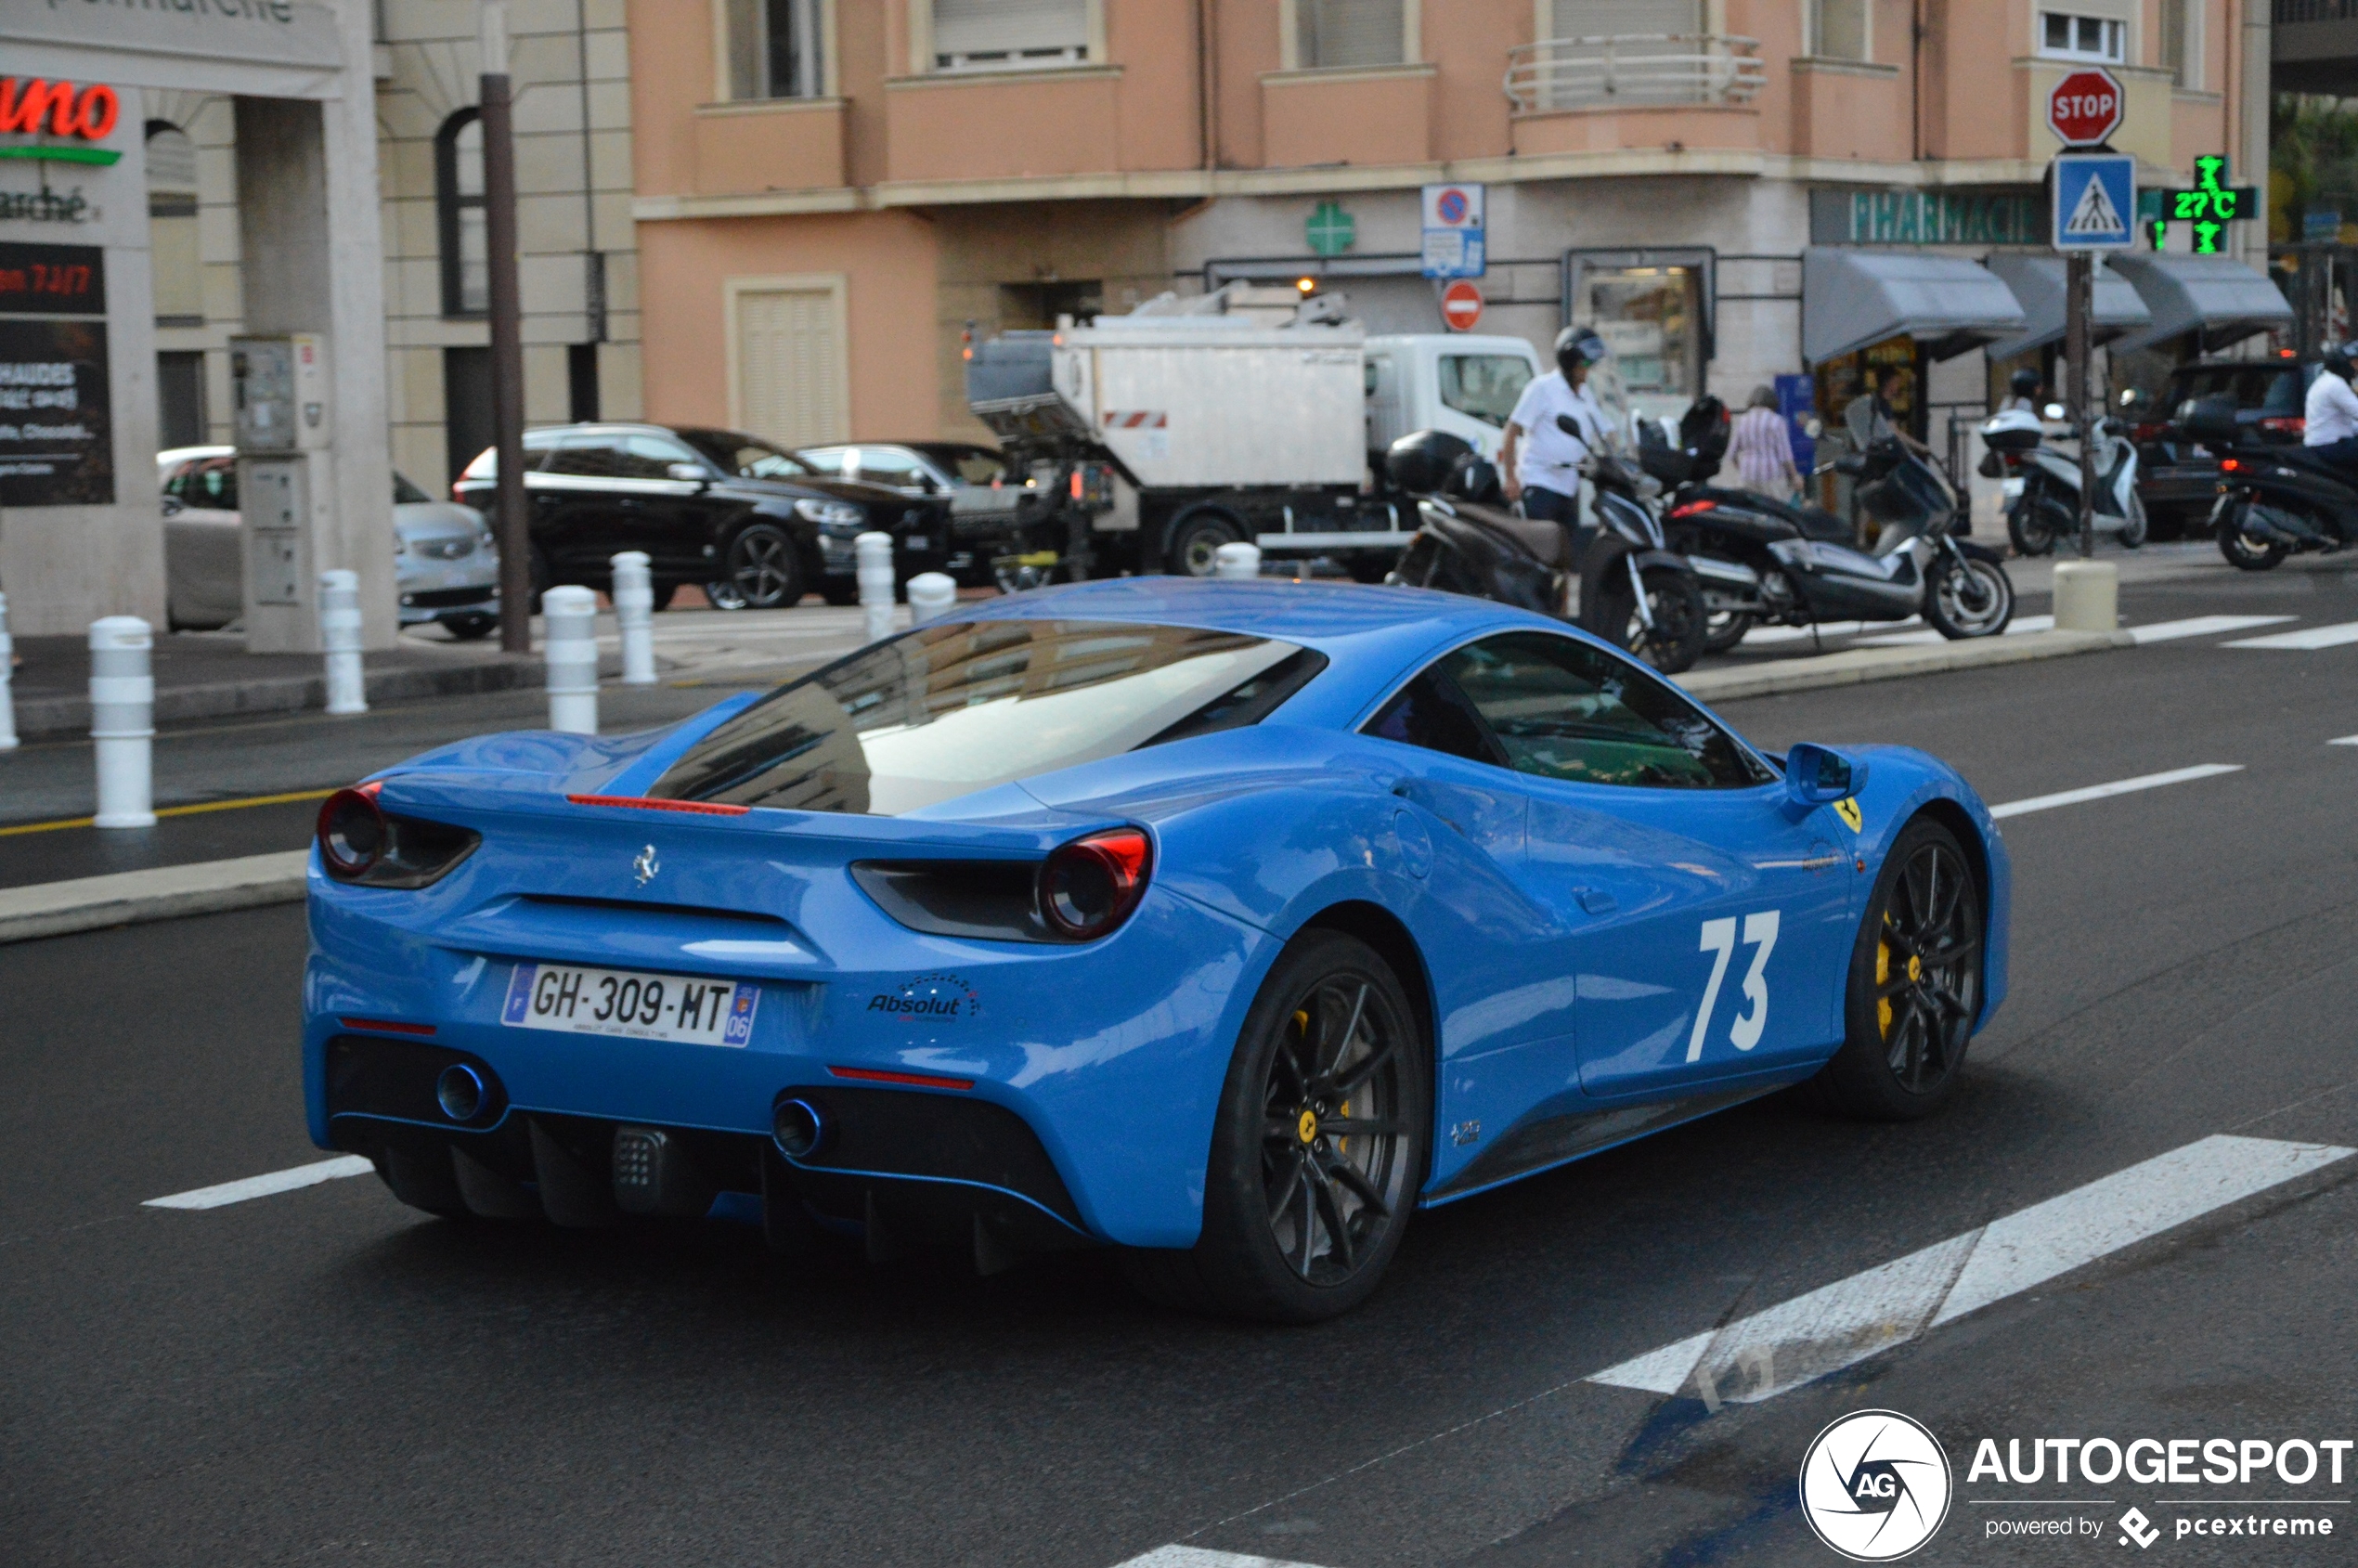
pixel 1650 317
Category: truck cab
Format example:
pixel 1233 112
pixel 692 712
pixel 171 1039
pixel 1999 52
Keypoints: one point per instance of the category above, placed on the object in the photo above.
pixel 1456 381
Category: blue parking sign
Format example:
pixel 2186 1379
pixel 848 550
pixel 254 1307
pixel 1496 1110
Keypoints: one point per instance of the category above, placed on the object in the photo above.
pixel 2095 201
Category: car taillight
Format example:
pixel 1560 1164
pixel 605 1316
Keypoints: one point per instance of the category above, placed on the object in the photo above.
pixel 1691 508
pixel 2150 431
pixel 2284 424
pixel 362 843
pixel 2230 465
pixel 352 834
pixel 1089 887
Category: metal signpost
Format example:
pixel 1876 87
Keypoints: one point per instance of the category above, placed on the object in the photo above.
pixel 2095 205
pixel 507 334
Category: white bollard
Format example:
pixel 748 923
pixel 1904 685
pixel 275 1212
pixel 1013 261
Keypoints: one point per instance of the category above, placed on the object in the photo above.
pixel 931 596
pixel 572 655
pixel 875 585
pixel 340 635
pixel 8 701
pixel 123 708
pixel 2087 596
pixel 634 608
pixel 1236 561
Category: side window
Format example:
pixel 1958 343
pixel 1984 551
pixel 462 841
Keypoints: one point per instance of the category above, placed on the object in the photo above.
pixel 879 465
pixel 1564 710
pixel 651 457
pixel 588 456
pixel 209 483
pixel 1431 712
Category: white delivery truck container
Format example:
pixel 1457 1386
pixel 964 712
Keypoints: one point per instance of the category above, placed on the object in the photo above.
pixel 1156 438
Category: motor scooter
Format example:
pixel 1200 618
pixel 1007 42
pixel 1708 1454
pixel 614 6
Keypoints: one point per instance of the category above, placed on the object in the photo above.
pixel 2274 501
pixel 2046 509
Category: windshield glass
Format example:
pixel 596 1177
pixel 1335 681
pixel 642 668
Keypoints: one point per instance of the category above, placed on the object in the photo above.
pixel 967 465
pixel 950 709
pixel 1484 385
pixel 745 457
pixel 406 493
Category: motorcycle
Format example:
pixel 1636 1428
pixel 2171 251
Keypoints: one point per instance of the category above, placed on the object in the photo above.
pixel 2274 501
pixel 2046 509
pixel 1633 592
pixel 1800 569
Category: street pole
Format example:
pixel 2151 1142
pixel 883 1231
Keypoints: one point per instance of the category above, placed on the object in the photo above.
pixel 507 333
pixel 2079 288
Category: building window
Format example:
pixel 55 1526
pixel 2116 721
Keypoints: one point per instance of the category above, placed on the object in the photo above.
pixel 175 254
pixel 774 49
pixel 2066 35
pixel 1329 33
pixel 1009 35
pixel 1838 30
pixel 458 199
pixel 2182 41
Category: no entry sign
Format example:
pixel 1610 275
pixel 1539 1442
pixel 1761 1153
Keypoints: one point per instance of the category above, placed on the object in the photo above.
pixel 2085 106
pixel 1461 305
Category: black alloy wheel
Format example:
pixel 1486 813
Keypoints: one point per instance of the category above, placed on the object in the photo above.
pixel 1965 596
pixel 762 568
pixel 1673 602
pixel 1319 1146
pixel 1914 991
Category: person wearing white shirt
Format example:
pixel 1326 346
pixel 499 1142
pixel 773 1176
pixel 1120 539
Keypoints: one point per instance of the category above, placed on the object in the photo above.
pixel 2331 423
pixel 1540 459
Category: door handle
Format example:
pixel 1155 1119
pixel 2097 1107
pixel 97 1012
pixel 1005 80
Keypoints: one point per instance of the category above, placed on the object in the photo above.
pixel 1596 901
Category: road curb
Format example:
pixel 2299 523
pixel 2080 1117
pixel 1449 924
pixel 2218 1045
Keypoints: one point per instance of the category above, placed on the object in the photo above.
pixel 131 897
pixel 1855 667
pixel 49 717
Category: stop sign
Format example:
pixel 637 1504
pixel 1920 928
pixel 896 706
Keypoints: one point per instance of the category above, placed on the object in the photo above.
pixel 1461 305
pixel 2085 106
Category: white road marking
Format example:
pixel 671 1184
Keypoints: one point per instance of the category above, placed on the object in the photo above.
pixel 2307 639
pixel 263 1186
pixel 1848 1321
pixel 2201 625
pixel 2119 787
pixel 1200 1557
pixel 2346 740
pixel 2021 626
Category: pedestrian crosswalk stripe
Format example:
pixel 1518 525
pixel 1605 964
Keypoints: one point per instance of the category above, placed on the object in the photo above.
pixel 263 1186
pixel 1760 1356
pixel 2307 639
pixel 2118 786
pixel 2201 625
pixel 1202 1557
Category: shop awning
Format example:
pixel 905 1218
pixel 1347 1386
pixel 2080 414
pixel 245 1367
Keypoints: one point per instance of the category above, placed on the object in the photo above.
pixel 2037 284
pixel 1851 298
pixel 2224 299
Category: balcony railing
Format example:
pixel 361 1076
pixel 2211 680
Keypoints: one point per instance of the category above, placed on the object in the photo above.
pixel 2315 10
pixel 1633 69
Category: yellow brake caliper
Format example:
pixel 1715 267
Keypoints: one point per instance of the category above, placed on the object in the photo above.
pixel 1883 978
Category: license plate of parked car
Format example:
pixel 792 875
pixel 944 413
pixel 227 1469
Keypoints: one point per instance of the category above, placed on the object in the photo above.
pixel 693 1009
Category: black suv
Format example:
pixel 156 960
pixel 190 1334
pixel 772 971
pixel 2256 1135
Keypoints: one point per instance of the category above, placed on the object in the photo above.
pixel 755 526
pixel 2177 478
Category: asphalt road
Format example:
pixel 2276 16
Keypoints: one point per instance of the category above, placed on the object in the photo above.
pixel 322 1376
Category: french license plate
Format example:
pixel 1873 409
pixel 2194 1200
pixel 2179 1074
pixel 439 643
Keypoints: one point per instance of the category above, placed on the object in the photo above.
pixel 575 1000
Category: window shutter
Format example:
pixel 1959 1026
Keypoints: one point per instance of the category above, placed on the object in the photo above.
pixel 1623 18
pixel 1009 31
pixel 1336 32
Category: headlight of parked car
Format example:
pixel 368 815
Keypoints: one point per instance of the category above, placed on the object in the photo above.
pixel 834 515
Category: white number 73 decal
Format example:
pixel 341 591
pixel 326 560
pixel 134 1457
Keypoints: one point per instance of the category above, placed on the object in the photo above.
pixel 1719 939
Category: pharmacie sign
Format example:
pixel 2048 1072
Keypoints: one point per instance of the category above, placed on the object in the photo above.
pixel 2006 217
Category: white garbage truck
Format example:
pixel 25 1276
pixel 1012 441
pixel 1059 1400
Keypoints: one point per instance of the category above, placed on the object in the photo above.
pixel 1151 439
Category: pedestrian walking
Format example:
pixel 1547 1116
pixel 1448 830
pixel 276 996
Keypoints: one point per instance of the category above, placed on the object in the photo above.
pixel 1761 444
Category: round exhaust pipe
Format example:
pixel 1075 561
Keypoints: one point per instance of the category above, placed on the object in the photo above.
pixel 461 1092
pixel 802 1128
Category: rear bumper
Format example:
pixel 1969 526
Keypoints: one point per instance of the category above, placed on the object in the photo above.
pixel 1094 1073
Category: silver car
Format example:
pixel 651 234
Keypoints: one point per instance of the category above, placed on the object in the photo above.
pixel 445 565
pixel 982 489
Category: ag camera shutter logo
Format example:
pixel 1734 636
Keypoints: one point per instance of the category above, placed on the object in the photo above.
pixel 1876 1485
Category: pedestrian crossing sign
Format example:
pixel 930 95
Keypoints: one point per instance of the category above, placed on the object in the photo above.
pixel 2095 201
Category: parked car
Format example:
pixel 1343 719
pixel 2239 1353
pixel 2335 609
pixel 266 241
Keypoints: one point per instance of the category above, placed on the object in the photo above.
pixel 2179 480
pixel 977 481
pixel 445 565
pixel 757 526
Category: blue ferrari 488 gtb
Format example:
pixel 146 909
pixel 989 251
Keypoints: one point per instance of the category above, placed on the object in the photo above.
pixel 1225 924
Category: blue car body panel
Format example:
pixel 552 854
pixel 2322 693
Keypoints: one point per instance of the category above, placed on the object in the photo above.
pixel 1560 937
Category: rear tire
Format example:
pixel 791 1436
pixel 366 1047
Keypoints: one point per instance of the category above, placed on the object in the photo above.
pixel 1675 641
pixel 2243 552
pixel 2037 525
pixel 1191 548
pixel 1298 1229
pixel 1914 990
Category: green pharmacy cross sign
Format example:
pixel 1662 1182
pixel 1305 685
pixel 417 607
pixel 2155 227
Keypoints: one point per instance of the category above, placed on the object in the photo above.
pixel 1331 229
pixel 2211 206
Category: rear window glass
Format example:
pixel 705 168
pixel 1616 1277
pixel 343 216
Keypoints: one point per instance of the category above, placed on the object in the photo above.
pixel 2273 389
pixel 947 710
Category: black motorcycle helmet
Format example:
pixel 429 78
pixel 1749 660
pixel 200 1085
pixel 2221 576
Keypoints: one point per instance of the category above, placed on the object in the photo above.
pixel 1577 347
pixel 2024 383
pixel 2337 359
pixel 1421 461
pixel 1475 478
